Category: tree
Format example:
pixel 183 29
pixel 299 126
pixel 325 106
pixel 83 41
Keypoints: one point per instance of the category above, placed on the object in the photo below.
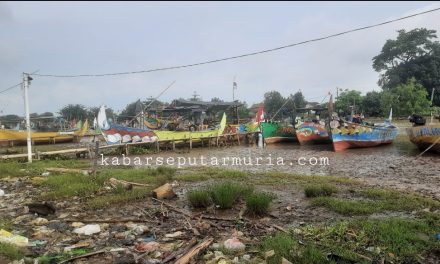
pixel 411 54
pixel 347 99
pixel 371 103
pixel 273 101
pixel 406 99
pixel 216 100
pixel 296 100
pixel 71 111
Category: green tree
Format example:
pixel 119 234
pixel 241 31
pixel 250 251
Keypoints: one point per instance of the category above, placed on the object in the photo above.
pixel 406 99
pixel 296 100
pixel 216 100
pixel 273 101
pixel 415 53
pixel 371 103
pixel 347 99
pixel 73 111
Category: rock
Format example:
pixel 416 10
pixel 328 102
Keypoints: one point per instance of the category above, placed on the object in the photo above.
pixel 269 254
pixel 138 229
pixel 57 225
pixel 87 230
pixel 40 221
pixel 285 261
pixel 234 244
pixel 77 224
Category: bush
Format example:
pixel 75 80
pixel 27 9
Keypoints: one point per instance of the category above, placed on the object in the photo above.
pixel 226 194
pixel 199 198
pixel 320 190
pixel 258 203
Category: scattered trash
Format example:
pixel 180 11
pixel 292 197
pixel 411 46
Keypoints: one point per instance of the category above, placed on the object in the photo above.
pixel 87 230
pixel 77 224
pixel 285 261
pixel 234 244
pixel 40 221
pixel 438 236
pixel 147 247
pixel 44 208
pixel 175 234
pixel 2 193
pixel 77 245
pixel 36 243
pixel 45 174
pixel 149 238
pixel 10 238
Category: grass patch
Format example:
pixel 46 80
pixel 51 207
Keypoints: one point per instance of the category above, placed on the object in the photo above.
pixel 347 207
pixel 320 190
pixel 396 240
pixel 282 244
pixel 207 173
pixel 10 251
pixel 118 197
pixel 199 198
pixel 226 194
pixel 19 169
pixel 68 185
pixel 258 203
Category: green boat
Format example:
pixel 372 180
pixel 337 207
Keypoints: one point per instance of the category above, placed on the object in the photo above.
pixel 274 132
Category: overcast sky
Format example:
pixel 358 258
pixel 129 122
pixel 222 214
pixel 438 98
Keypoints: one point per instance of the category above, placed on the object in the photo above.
pixel 92 38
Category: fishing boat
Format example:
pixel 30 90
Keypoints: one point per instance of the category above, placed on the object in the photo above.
pixel 276 132
pixel 10 137
pixel 310 132
pixel 119 134
pixel 425 137
pixel 309 129
pixel 357 134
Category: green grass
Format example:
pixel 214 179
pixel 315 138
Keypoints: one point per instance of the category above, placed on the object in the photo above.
pixel 199 198
pixel 10 251
pixel 5 224
pixel 282 244
pixel 320 190
pixel 398 240
pixel 258 203
pixel 207 173
pixel 87 187
pixel 347 207
pixel 19 169
pixel 227 193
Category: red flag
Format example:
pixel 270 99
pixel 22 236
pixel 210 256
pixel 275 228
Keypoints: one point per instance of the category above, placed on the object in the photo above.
pixel 260 114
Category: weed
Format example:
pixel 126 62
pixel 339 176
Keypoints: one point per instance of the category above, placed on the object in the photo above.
pixel 258 203
pixel 320 190
pixel 199 198
pixel 10 251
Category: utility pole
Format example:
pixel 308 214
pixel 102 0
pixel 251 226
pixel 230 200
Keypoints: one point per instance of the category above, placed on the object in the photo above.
pixel 26 82
pixel 234 87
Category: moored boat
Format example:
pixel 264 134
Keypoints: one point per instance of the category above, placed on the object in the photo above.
pixel 425 137
pixel 16 137
pixel 310 132
pixel 345 134
pixel 275 132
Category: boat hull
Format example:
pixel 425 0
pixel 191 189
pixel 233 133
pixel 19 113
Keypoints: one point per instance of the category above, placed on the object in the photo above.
pixel 311 133
pixel 425 136
pixel 277 133
pixel 362 136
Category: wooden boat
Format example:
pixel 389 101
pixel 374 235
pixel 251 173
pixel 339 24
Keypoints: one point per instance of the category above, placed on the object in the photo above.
pixel 275 132
pixel 425 137
pixel 345 135
pixel 14 137
pixel 312 133
pixel 118 134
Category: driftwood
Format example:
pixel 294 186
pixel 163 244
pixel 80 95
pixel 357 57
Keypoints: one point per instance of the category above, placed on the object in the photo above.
pixel 126 184
pixel 65 170
pixel 171 257
pixel 194 251
pixel 164 192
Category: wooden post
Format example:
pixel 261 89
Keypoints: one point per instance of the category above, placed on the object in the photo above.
pixel 190 141
pixel 238 138
pixel 127 151
pixel 157 146
pixel 174 145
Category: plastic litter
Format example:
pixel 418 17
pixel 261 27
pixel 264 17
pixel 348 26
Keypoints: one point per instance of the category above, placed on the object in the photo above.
pixel 234 244
pixel 87 230
pixel 8 237
pixel 147 247
pixel 438 236
pixel 2 193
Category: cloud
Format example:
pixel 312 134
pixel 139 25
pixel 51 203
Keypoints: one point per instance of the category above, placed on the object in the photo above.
pixel 77 38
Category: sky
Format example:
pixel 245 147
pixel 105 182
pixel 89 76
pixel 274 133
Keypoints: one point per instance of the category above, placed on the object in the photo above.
pixel 68 38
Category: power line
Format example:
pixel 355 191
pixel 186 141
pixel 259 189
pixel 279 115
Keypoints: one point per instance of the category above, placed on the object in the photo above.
pixel 10 88
pixel 242 55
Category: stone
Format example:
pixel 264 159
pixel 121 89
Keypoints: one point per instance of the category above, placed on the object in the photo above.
pixel 40 221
